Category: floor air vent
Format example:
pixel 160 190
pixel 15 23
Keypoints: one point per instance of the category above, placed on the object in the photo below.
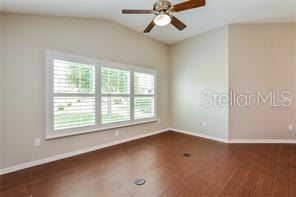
pixel 186 155
pixel 140 181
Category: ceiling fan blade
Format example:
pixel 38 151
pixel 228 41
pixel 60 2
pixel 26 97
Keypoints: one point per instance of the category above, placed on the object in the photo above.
pixel 137 11
pixel 149 27
pixel 189 5
pixel 177 23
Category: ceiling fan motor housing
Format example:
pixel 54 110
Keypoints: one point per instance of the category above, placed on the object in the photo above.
pixel 162 6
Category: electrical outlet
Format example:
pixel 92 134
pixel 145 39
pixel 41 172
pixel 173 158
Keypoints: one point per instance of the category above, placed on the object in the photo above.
pixel 291 127
pixel 204 124
pixel 37 142
pixel 117 133
pixel 158 120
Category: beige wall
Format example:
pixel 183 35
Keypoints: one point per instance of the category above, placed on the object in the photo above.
pixel 200 63
pixel 262 57
pixel 1 93
pixel 27 38
pixel 294 63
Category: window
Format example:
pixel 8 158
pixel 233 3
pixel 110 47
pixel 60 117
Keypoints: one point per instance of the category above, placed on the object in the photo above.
pixel 86 95
pixel 74 95
pixel 115 95
pixel 144 95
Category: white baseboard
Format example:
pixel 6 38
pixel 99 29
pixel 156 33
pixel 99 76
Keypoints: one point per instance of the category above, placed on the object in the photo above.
pixel 261 141
pixel 74 153
pixel 200 135
pixel 238 141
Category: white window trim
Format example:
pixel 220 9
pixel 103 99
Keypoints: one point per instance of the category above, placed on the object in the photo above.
pixel 51 55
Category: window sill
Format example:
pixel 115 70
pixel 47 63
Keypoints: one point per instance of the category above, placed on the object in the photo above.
pixel 62 135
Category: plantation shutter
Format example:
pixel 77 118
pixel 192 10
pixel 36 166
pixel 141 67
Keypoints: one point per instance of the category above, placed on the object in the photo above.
pixel 144 95
pixel 115 95
pixel 74 102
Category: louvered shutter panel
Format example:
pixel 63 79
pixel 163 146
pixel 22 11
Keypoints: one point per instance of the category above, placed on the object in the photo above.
pixel 144 95
pixel 115 95
pixel 73 95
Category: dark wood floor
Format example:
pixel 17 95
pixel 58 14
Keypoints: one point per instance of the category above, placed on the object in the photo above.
pixel 214 169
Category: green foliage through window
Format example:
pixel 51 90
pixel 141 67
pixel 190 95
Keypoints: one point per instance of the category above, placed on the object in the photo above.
pixel 115 81
pixel 81 77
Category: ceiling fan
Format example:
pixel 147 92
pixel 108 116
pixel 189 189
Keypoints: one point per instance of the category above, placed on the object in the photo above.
pixel 163 11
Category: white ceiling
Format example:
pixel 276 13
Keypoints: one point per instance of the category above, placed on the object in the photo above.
pixel 217 13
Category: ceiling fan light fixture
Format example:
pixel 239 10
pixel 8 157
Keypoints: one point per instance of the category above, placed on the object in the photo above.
pixel 162 19
pixel 164 11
